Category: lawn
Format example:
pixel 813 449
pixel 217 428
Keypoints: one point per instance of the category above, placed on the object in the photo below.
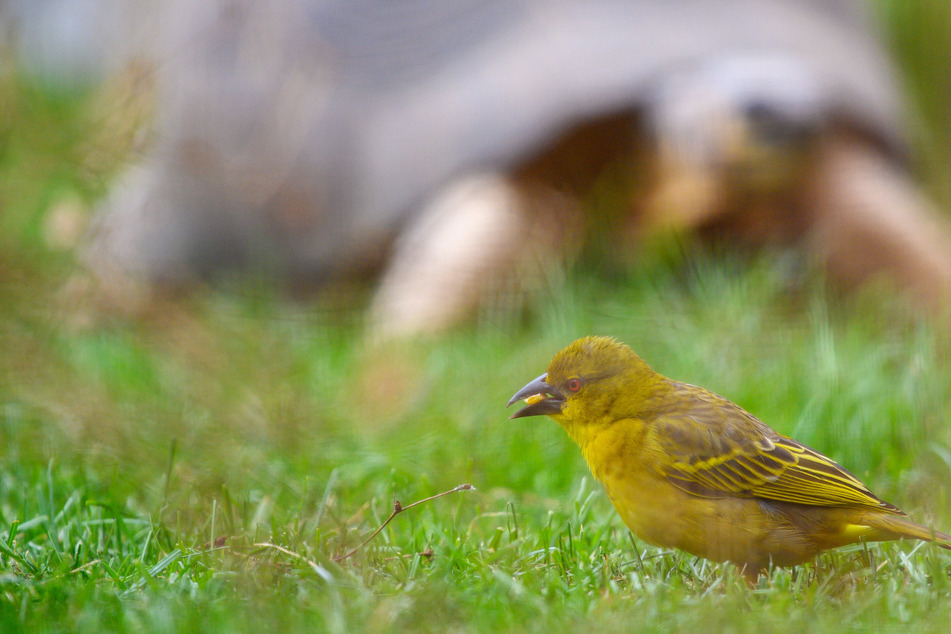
pixel 218 465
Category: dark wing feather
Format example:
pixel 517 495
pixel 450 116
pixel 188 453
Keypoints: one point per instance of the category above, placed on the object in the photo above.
pixel 718 449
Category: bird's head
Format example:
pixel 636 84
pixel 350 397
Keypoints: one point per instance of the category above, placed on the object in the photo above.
pixel 592 378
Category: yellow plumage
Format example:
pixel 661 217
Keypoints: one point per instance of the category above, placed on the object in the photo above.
pixel 688 469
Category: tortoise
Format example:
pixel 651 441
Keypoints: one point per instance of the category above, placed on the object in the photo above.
pixel 452 148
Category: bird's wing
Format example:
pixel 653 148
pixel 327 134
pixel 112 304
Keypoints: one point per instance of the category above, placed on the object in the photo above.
pixel 715 448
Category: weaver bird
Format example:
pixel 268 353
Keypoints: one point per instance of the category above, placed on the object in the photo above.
pixel 688 469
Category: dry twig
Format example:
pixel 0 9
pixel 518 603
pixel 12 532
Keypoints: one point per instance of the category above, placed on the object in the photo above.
pixel 397 509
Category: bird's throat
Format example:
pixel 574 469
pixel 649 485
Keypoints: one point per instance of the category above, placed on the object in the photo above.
pixel 586 434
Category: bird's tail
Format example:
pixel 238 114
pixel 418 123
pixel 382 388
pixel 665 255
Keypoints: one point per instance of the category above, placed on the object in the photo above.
pixel 888 527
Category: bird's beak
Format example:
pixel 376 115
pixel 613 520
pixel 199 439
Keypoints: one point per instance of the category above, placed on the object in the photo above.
pixel 547 400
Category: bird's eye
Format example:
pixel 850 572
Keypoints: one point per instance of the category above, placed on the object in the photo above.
pixel 573 385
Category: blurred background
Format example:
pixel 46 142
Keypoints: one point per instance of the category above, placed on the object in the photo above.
pixel 284 258
pixel 455 160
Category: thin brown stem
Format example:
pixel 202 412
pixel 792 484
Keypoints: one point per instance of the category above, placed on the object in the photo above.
pixel 397 509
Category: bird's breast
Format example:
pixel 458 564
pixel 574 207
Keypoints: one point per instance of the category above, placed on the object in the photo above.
pixel 722 528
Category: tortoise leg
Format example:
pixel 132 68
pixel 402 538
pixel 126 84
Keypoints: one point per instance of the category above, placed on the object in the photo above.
pixel 869 219
pixel 481 237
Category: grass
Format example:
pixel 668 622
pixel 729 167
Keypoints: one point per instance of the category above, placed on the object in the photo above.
pixel 206 471
pixel 206 468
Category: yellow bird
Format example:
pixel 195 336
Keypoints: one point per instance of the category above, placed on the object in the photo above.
pixel 688 469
